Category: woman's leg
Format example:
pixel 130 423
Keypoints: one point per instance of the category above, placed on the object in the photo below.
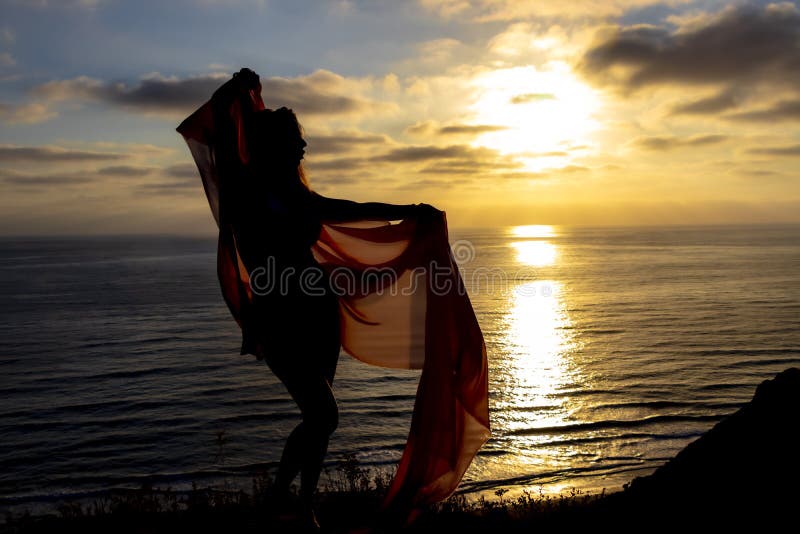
pixel 305 449
pixel 308 376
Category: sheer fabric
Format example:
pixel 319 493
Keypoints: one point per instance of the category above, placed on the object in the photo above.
pixel 402 305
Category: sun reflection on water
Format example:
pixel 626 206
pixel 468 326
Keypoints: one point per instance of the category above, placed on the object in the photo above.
pixel 536 364
pixel 535 253
pixel 533 230
pixel 536 360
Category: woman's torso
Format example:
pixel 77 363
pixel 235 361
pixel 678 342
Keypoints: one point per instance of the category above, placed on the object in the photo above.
pixel 275 230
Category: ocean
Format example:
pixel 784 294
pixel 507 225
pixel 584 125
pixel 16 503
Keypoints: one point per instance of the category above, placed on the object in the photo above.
pixel 610 349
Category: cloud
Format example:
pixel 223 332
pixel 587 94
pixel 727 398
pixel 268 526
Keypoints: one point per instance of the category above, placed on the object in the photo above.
pixel 343 142
pixel 32 113
pixel 177 187
pixel 790 150
pixel 492 10
pixel 39 181
pixel 470 129
pixel 125 171
pixel 760 173
pixel 39 154
pixel 446 8
pixel 475 166
pixel 785 110
pixel 438 50
pixel 452 160
pixel 531 97
pixel 134 149
pixel 320 93
pixel 745 44
pixel 333 180
pixel 337 164
pixel 421 128
pixel 416 154
pixel 182 178
pixel 709 105
pixel 153 94
pixel 182 170
pixel 431 128
pixel 42 4
pixel 179 179
pixel 430 183
pixel 571 169
pixel 662 143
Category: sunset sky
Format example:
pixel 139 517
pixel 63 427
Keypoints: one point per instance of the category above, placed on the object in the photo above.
pixel 586 112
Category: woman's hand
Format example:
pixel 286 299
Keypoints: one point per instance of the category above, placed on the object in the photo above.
pixel 426 210
pixel 247 79
pixel 239 86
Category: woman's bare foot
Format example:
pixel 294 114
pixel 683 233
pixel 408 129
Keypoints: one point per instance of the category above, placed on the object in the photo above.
pixel 308 519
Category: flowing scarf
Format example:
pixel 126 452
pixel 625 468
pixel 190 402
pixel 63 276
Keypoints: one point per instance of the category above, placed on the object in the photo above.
pixel 402 305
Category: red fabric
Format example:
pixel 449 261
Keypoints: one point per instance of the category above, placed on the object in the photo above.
pixel 420 319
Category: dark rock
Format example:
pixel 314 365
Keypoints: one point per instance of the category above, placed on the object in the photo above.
pixel 746 467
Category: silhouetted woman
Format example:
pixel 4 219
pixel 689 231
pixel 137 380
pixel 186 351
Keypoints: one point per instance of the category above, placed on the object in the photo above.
pixel 276 219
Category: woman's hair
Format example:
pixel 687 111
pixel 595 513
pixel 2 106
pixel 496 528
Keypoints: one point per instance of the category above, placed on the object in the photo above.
pixel 272 137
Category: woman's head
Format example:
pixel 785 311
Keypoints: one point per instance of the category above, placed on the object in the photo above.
pixel 275 139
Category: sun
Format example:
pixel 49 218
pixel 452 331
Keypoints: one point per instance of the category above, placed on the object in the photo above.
pixel 543 112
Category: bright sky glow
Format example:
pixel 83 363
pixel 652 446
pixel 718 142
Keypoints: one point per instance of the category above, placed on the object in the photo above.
pixel 544 111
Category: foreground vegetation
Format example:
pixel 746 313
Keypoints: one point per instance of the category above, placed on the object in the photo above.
pixel 348 502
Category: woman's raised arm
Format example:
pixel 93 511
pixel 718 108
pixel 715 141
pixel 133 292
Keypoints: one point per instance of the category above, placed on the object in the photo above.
pixel 340 210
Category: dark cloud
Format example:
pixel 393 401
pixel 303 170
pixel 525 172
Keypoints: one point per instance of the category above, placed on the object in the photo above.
pixel 444 160
pixel 321 93
pixel 127 171
pixel 41 154
pixel 467 167
pixel 430 128
pixel 531 97
pixel 42 180
pixel 182 170
pixel 791 150
pixel 333 180
pixel 760 173
pixel 344 142
pixel 338 164
pixel 708 106
pixel 470 129
pixel 181 179
pixel 744 44
pixel 305 98
pixel 153 94
pixel 415 154
pixel 663 143
pixel 786 110
pixel 432 184
pixel 176 187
